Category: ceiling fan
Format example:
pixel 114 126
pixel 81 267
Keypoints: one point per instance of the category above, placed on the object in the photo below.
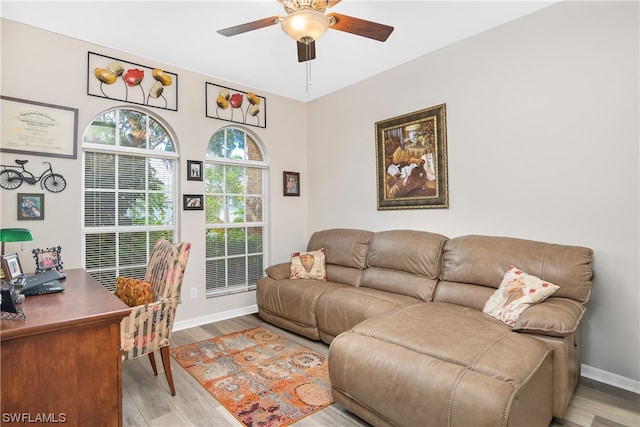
pixel 306 21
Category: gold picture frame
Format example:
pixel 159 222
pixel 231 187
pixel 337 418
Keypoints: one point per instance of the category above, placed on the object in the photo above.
pixel 411 160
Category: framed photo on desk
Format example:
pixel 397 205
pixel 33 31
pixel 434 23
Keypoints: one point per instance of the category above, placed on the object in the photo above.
pixel 11 267
pixel 47 259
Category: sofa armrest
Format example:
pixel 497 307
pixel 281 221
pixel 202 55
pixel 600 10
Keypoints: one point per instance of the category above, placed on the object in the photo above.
pixel 279 271
pixel 557 317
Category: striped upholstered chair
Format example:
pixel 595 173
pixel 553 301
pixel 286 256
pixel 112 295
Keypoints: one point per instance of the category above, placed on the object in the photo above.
pixel 148 327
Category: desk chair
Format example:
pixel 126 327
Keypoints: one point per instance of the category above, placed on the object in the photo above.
pixel 148 327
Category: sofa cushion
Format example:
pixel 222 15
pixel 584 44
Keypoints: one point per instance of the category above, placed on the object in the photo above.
pixel 308 265
pixel 345 253
pixel 464 294
pixel 342 309
pixel 447 365
pixel 346 247
pixel 293 300
pixel 417 252
pixel 517 292
pixel 482 260
pixel 399 282
pixel 404 262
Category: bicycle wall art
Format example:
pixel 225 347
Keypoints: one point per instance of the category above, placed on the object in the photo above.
pixel 30 207
pixel 30 127
pixel 12 177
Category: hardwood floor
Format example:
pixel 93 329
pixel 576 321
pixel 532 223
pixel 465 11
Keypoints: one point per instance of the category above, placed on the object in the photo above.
pixel 148 402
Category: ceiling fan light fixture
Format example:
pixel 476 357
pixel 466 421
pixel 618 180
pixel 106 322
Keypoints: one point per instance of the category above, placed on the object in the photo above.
pixel 305 25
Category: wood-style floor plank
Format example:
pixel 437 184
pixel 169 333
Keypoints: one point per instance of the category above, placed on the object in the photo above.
pixel 147 400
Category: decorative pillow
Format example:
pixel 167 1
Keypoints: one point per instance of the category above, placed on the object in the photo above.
pixel 133 292
pixel 517 291
pixel 308 265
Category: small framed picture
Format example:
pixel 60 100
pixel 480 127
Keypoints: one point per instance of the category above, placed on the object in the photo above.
pixel 11 267
pixel 192 202
pixel 194 170
pixel 47 259
pixel 291 183
pixel 30 207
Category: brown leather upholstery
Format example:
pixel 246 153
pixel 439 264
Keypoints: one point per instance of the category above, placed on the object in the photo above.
pixel 410 345
pixel 404 262
pixel 343 309
pixel 410 367
pixel 291 304
pixel 469 261
pixel 482 260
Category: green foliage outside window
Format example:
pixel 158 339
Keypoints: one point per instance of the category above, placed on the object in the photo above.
pixel 124 189
pixel 233 181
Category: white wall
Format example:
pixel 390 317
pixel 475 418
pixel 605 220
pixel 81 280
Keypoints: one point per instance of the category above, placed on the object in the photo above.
pixel 45 67
pixel 542 141
pixel 542 124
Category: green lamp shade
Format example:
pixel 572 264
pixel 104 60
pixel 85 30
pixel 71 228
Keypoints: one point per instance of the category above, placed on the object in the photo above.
pixel 15 235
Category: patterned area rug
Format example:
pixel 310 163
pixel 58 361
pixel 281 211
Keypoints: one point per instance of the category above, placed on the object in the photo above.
pixel 262 378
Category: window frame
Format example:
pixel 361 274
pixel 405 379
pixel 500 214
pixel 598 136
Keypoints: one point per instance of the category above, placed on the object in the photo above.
pixel 119 230
pixel 212 291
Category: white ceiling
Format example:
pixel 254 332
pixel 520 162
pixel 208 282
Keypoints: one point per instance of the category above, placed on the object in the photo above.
pixel 183 33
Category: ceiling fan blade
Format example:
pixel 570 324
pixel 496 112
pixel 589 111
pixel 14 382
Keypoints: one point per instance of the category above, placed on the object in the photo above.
pixel 361 27
pixel 306 52
pixel 332 3
pixel 249 26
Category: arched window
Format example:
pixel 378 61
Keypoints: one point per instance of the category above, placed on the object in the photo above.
pixel 129 192
pixel 235 180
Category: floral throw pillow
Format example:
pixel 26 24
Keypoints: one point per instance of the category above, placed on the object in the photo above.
pixel 517 291
pixel 133 292
pixel 308 265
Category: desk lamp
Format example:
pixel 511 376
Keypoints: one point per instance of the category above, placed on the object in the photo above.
pixel 11 300
pixel 14 235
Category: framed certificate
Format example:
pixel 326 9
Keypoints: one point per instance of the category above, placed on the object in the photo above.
pixel 36 128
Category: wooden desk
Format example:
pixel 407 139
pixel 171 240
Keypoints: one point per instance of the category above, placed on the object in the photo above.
pixel 63 363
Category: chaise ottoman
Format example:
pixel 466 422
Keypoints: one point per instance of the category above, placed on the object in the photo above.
pixel 440 364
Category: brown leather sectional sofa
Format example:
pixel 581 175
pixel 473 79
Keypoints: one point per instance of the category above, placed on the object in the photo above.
pixel 409 343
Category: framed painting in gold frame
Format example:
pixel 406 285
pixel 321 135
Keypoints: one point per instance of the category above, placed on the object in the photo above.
pixel 411 160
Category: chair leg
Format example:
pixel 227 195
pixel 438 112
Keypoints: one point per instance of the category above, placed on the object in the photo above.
pixel 152 359
pixel 166 362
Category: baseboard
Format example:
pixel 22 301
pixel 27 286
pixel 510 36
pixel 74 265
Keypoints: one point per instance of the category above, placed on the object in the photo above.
pixel 610 378
pixel 216 317
pixel 590 372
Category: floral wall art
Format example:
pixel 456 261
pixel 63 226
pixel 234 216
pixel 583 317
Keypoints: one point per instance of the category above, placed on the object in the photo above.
pixel 235 106
pixel 113 78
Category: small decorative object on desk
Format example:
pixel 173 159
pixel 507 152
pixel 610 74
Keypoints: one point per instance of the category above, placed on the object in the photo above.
pixel 11 299
pixel 11 267
pixel 47 259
